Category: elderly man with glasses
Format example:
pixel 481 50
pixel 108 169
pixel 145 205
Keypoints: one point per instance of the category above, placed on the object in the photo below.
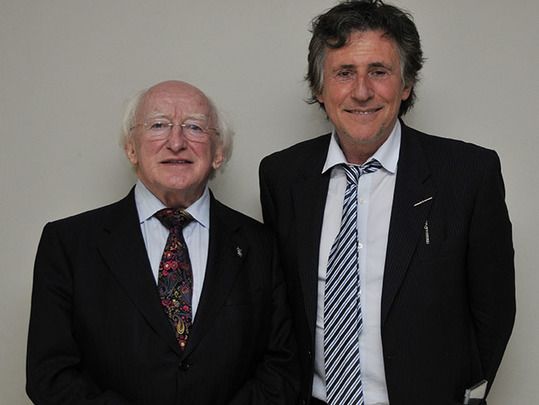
pixel 167 296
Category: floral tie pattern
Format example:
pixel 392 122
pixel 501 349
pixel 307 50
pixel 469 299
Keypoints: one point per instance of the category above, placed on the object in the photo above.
pixel 175 280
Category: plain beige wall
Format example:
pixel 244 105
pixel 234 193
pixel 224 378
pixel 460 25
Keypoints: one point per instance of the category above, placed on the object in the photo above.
pixel 66 68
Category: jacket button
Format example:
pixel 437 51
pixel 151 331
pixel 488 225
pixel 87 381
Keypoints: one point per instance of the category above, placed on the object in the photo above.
pixel 184 366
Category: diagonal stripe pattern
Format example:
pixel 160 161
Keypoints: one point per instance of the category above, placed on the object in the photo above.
pixel 342 307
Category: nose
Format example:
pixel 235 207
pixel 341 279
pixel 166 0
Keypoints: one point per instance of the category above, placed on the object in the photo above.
pixel 362 89
pixel 176 140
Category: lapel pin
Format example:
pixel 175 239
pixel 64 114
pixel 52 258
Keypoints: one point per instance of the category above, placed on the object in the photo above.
pixel 239 252
pixel 422 201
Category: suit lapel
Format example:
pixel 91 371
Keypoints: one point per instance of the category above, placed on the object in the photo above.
pixel 123 250
pixel 413 196
pixel 309 195
pixel 409 213
pixel 226 253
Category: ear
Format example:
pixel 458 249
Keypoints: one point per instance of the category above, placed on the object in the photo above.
pixel 320 98
pixel 218 157
pixel 131 151
pixel 406 93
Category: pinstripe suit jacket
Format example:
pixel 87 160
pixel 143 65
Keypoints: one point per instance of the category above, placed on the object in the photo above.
pixel 98 333
pixel 448 306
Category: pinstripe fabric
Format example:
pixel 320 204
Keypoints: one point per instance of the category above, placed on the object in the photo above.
pixel 342 307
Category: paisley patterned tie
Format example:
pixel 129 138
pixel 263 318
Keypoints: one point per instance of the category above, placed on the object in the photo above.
pixel 175 280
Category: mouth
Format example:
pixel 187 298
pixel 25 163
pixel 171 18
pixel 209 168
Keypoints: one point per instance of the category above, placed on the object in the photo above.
pixel 176 162
pixel 363 111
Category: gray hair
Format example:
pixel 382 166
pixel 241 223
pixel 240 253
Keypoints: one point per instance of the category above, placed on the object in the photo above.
pixel 332 29
pixel 225 137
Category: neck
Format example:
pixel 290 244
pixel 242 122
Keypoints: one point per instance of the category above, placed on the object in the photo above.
pixel 359 153
pixel 177 199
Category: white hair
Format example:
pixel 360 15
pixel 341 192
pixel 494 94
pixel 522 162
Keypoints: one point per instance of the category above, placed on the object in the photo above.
pixel 225 131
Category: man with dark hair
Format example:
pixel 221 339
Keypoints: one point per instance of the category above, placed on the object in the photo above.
pixel 166 297
pixel 396 244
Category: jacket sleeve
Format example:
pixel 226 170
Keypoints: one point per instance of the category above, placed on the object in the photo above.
pixel 53 357
pixel 491 273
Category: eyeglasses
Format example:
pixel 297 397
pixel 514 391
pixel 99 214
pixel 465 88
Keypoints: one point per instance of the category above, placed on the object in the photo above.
pixel 193 129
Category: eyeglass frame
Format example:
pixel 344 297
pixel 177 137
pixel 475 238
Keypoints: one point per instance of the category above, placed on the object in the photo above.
pixel 146 125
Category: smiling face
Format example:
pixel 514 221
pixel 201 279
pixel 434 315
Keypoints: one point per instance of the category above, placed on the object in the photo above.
pixel 362 92
pixel 173 168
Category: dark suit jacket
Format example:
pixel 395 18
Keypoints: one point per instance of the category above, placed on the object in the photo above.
pixel 98 334
pixel 448 306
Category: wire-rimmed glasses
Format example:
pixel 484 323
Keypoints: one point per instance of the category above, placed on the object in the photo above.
pixel 193 129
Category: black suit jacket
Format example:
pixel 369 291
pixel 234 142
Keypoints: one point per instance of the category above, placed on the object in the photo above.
pixel 98 334
pixel 448 304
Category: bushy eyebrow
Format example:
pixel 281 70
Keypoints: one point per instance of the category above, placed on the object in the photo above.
pixel 194 116
pixel 370 66
pixel 156 115
pixel 380 65
pixel 197 116
pixel 345 67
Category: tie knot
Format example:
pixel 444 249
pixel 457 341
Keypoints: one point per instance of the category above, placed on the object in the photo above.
pixel 173 218
pixel 353 172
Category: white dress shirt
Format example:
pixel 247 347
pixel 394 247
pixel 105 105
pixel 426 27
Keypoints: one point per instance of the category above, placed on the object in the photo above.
pixel 375 198
pixel 196 234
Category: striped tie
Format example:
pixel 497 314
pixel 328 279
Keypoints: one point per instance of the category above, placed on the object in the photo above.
pixel 342 309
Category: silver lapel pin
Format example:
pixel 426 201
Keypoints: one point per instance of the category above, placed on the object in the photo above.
pixel 239 252
pixel 422 201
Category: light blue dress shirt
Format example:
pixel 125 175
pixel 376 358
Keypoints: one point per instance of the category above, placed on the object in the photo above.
pixel 375 198
pixel 196 234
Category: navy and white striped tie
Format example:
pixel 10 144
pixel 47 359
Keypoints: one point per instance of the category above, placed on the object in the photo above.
pixel 342 307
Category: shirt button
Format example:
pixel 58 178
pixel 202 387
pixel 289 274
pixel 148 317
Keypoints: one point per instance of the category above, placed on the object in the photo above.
pixel 361 201
pixel 360 245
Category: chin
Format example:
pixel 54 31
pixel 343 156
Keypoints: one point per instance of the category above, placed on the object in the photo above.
pixel 363 138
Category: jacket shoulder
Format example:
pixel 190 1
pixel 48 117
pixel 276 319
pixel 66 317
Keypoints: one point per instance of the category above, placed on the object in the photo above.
pixel 93 218
pixel 446 155
pixel 297 154
pixel 438 145
pixel 234 218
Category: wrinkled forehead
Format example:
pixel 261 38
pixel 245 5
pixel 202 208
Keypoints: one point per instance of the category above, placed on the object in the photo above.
pixel 175 102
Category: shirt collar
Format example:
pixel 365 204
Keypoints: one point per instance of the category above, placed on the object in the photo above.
pixel 148 204
pixel 387 154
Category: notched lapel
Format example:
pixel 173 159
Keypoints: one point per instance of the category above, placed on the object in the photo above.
pixel 309 197
pixel 412 201
pixel 226 255
pixel 122 248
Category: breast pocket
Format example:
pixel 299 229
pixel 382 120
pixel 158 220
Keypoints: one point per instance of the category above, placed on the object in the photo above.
pixel 440 241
